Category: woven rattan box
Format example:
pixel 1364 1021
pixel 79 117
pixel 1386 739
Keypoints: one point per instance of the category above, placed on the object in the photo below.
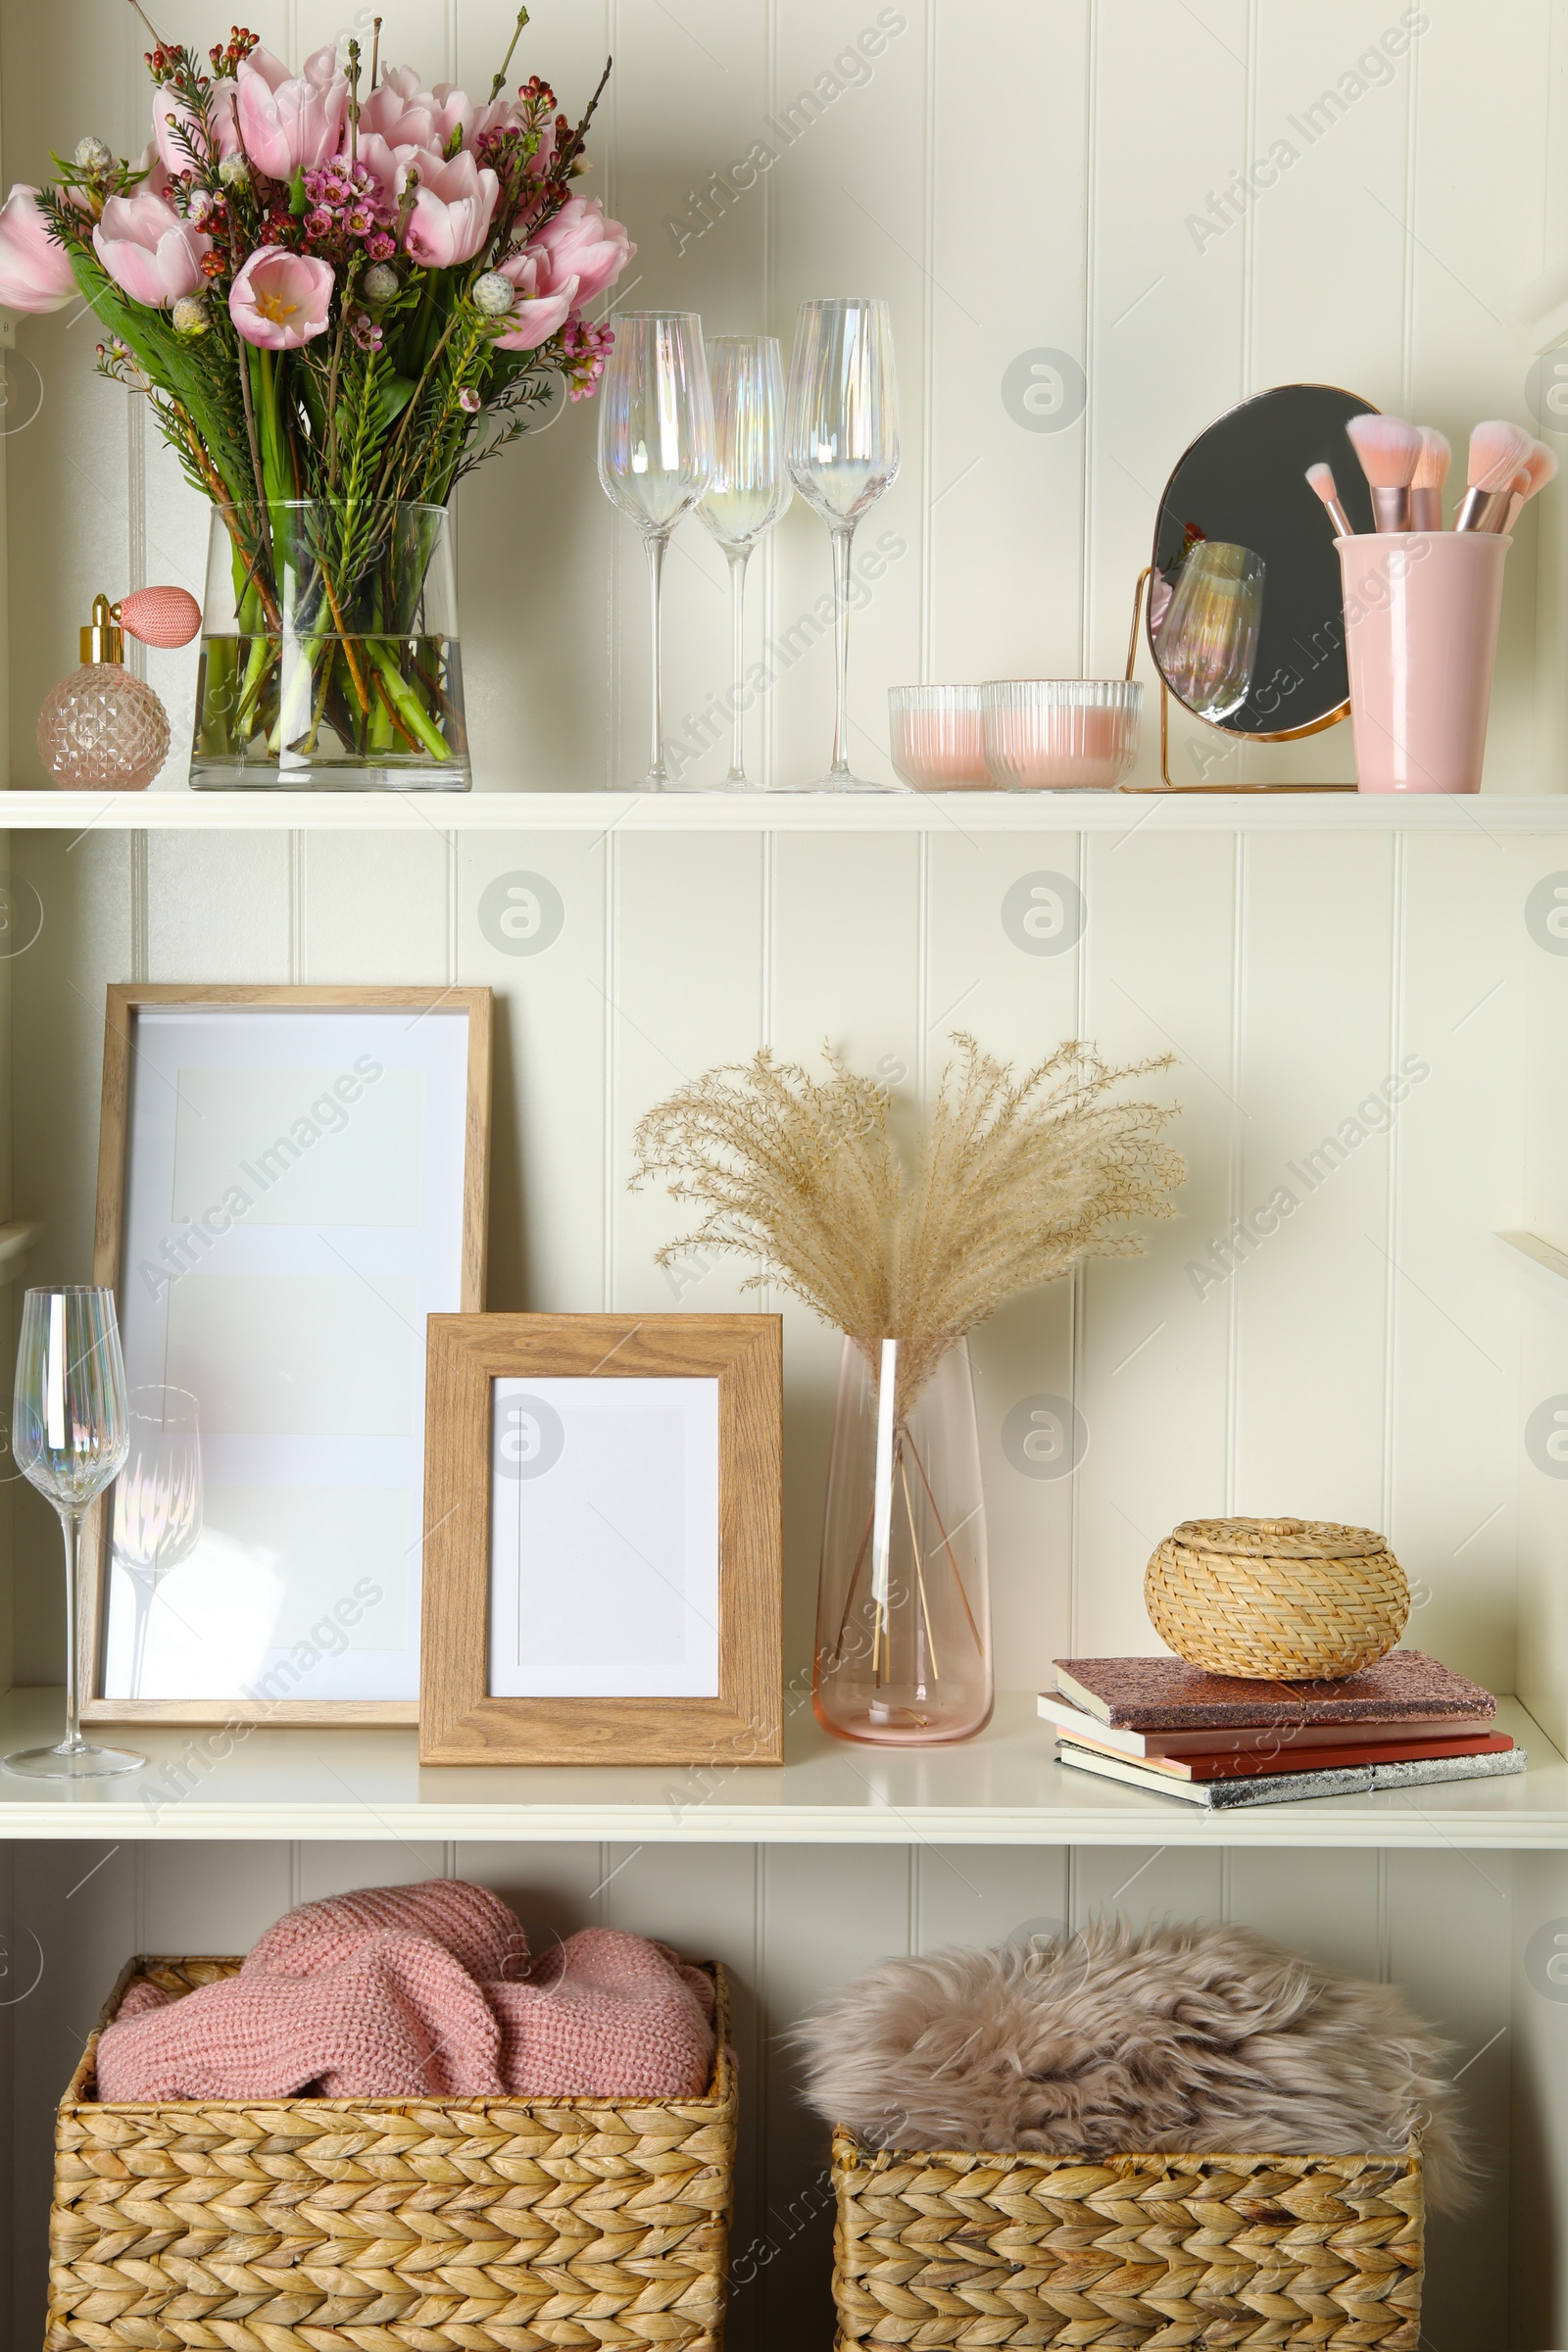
pixel 431 2226
pixel 955 2252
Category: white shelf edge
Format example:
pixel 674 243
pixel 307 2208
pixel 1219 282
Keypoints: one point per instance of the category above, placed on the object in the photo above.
pixel 1540 1267
pixel 365 1787
pixel 967 814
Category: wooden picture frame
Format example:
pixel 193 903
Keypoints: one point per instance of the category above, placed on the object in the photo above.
pixel 740 1720
pixel 457 1082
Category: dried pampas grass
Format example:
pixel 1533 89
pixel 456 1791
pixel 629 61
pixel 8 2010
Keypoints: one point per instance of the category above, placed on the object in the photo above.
pixel 1012 1180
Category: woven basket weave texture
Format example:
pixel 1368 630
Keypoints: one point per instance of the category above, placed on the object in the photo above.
pixel 1276 1599
pixel 949 2252
pixel 389 2225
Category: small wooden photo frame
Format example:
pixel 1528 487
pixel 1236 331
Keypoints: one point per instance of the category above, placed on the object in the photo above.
pixel 604 1544
pixel 290 1180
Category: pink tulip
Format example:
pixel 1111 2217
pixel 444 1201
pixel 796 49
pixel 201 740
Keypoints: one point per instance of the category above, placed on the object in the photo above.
pixel 392 164
pixel 36 272
pixel 291 124
pixel 151 254
pixel 451 216
pixel 537 314
pixel 173 152
pixel 399 111
pixel 280 300
pixel 580 243
pixel 403 114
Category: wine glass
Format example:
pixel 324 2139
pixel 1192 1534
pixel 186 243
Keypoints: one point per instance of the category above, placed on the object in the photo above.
pixel 158 1502
pixel 750 487
pixel 843 454
pixel 69 1436
pixel 656 451
pixel 1206 640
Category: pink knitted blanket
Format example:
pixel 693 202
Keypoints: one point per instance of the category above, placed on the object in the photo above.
pixel 420 1993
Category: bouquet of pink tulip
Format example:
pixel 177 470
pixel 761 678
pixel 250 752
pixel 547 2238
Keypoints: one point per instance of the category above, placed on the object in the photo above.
pixel 337 308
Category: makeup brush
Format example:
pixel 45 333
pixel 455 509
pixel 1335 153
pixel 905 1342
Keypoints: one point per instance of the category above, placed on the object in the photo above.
pixel 1426 488
pixel 1388 449
pixel 1498 452
pixel 1321 478
pixel 1535 473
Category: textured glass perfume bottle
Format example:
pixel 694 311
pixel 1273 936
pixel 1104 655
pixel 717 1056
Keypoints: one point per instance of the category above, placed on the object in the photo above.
pixel 102 727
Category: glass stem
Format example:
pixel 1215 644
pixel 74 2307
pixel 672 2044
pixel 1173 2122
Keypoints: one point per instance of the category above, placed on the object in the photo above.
pixel 737 616
pixel 71 1529
pixel 656 543
pixel 842 539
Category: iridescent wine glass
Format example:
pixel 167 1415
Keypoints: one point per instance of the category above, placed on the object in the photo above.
pixel 656 452
pixel 158 1504
pixel 843 454
pixel 1206 641
pixel 69 1436
pixel 751 485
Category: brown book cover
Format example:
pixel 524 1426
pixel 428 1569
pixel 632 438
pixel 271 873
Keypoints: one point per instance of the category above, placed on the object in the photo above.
pixel 1312 1759
pixel 1167 1694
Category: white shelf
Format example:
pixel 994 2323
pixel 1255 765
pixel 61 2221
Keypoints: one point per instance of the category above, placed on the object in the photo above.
pixel 1485 815
pixel 1003 1789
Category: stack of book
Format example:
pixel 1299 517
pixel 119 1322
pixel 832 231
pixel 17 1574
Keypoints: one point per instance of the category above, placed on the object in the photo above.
pixel 1216 1740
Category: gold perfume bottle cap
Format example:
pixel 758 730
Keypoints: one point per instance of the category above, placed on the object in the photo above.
pixel 103 640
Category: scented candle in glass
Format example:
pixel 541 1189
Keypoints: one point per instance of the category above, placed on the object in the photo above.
pixel 938 737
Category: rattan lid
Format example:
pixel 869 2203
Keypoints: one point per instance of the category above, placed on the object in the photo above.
pixel 1278 1539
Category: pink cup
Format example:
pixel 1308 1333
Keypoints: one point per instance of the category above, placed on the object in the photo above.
pixel 1421 613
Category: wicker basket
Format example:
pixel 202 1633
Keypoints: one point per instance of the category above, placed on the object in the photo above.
pixel 977 2253
pixel 1276 1599
pixel 389 2224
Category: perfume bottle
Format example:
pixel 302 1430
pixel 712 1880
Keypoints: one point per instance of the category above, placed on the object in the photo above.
pixel 102 727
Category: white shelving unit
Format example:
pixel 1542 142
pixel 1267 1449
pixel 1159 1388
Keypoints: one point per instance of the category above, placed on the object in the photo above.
pixel 1488 815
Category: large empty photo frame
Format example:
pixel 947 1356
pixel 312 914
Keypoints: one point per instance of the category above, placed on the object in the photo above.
pixel 290 1181
pixel 603 1571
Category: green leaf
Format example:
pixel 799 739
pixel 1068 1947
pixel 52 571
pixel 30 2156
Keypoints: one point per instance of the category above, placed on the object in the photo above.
pixel 297 198
pixel 394 393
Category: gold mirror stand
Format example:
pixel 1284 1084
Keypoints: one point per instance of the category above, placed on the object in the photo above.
pixel 1165 784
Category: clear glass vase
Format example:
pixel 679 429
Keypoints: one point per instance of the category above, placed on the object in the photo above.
pixel 903 1607
pixel 329 651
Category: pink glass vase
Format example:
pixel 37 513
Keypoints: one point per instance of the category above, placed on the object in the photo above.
pixel 904 1612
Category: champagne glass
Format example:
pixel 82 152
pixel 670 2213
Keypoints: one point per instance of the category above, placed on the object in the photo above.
pixel 843 454
pixel 69 1436
pixel 1206 641
pixel 751 486
pixel 656 451
pixel 158 1502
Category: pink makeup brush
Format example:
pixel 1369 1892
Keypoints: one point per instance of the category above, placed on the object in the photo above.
pixel 1321 478
pixel 1535 473
pixel 1498 452
pixel 1388 449
pixel 1426 487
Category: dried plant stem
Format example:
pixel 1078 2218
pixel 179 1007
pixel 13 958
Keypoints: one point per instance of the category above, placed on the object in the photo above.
pixel 919 1568
pixel 947 1545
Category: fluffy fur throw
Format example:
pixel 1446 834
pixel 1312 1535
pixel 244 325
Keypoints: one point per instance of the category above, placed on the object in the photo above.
pixel 1182 2039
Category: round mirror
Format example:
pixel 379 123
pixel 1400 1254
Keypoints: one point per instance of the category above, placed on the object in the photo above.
pixel 1242 490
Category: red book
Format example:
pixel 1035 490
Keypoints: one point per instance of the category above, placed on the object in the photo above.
pixel 1231 1767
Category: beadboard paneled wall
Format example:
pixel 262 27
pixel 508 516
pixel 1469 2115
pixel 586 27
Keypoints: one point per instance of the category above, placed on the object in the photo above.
pixel 1363 1359
pixel 791 1921
pixel 1048 192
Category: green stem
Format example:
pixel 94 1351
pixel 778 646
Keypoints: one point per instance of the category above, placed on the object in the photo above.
pixel 406 702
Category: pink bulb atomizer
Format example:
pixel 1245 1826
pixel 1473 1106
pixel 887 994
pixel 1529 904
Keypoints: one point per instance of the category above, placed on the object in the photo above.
pixel 102 728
